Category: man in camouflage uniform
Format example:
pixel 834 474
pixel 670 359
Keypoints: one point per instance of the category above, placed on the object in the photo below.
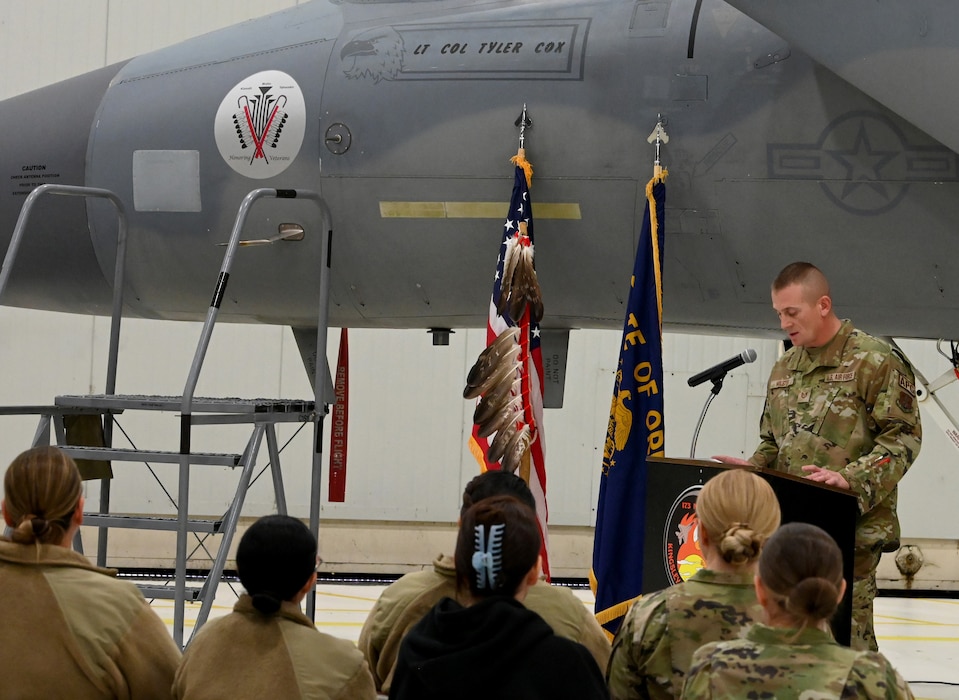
pixel 840 410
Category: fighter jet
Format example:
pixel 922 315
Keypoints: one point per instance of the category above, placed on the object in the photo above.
pixel 798 130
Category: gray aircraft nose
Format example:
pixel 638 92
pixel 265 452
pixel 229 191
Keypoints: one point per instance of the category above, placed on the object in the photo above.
pixel 45 142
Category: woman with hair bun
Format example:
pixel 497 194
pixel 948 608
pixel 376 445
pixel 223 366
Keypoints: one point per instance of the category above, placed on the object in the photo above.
pixel 70 629
pixel 737 511
pixel 493 647
pixel 267 648
pixel 793 655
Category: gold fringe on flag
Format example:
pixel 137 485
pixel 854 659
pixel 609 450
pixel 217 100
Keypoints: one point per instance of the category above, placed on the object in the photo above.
pixel 659 175
pixel 520 160
pixel 616 611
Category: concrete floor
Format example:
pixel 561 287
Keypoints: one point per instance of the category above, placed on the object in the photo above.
pixel 920 636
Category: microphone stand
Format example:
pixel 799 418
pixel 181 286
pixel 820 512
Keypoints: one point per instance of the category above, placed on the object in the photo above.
pixel 713 393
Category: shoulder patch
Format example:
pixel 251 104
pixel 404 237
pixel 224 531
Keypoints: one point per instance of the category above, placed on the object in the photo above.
pixel 906 385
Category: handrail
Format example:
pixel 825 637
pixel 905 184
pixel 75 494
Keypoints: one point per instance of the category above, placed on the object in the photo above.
pixel 224 276
pixel 115 315
pixel 186 404
pixel 118 272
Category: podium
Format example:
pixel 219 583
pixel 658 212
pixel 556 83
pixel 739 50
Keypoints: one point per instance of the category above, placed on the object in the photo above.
pixel 672 487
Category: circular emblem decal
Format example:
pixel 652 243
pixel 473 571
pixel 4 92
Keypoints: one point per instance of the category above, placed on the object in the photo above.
pixel 260 124
pixel 681 553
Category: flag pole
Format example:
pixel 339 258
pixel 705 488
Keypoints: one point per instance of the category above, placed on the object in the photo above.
pixel 657 138
pixel 523 122
pixel 523 322
pixel 636 427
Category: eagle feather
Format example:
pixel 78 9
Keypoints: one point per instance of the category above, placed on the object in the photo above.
pixel 516 448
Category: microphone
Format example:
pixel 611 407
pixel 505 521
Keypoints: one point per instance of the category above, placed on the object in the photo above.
pixel 719 371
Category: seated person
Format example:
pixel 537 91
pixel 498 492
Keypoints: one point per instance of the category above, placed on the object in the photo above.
pixel 267 648
pixel 70 629
pixel 737 511
pixel 793 655
pixel 491 646
pixel 405 601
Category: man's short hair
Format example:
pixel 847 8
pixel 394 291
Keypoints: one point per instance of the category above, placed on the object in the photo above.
pixel 804 274
pixel 496 483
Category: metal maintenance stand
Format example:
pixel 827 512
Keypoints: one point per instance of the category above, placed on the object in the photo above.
pixel 261 415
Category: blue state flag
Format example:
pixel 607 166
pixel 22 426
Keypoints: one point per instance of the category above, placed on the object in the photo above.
pixel 636 429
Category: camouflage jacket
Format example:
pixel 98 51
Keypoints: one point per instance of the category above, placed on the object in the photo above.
pixel 785 664
pixel 652 651
pixel 849 406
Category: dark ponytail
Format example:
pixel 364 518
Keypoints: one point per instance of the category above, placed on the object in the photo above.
pixel 497 545
pixel 275 558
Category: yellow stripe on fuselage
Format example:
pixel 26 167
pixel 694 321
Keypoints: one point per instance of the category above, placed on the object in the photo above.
pixel 474 210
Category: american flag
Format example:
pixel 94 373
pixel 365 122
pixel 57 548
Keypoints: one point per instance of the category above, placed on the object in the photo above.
pixel 533 468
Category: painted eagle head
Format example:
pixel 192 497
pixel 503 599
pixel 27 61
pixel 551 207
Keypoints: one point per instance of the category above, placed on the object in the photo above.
pixel 376 53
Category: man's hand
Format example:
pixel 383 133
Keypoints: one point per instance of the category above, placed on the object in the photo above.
pixel 732 460
pixel 825 476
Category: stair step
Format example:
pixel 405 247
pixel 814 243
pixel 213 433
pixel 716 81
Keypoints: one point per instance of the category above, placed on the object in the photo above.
pixel 46 410
pixel 141 522
pixel 173 403
pixel 168 592
pixel 222 459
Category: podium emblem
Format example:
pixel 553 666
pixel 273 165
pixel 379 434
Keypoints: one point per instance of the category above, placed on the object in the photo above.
pixel 682 555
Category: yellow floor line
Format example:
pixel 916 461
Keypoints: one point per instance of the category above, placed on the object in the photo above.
pixel 892 620
pixel 345 596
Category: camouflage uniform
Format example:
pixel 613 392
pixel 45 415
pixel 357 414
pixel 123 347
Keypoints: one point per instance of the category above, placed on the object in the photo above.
pixel 652 651
pixel 849 406
pixel 783 664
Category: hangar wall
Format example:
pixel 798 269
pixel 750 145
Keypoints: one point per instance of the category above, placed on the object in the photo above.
pixel 407 455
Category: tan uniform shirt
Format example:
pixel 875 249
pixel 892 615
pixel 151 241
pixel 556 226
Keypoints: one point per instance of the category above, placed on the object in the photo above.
pixel 71 629
pixel 407 600
pixel 247 654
